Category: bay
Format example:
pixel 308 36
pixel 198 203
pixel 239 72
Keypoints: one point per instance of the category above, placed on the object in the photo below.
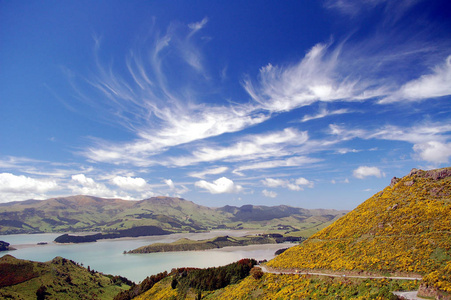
pixel 107 255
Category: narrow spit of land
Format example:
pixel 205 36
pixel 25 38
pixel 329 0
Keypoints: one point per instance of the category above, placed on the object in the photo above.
pixel 216 243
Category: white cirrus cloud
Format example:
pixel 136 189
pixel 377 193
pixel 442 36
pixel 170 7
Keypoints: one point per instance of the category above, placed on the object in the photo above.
pixel 365 171
pixel 198 25
pixel 292 184
pixel 11 183
pixel 430 140
pixel 273 182
pixel 392 12
pixel 213 171
pixel 269 194
pixel 433 151
pixel 249 147
pixel 415 134
pixel 325 113
pixel 295 161
pixel 345 150
pixel 219 186
pixel 160 112
pixel 315 78
pixel 436 84
pixel 129 183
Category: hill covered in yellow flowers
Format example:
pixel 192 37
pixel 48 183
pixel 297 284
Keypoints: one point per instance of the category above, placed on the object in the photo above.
pixel 404 228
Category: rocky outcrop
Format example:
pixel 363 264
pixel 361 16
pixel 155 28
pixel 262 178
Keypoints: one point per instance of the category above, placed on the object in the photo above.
pixel 434 174
pixel 4 246
pixel 432 293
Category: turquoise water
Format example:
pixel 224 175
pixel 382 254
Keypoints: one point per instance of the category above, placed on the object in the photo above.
pixel 107 255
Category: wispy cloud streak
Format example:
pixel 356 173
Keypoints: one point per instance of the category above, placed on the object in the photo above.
pixel 162 114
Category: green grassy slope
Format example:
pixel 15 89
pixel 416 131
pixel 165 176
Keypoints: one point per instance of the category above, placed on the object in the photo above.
pixel 86 213
pixel 56 279
pixel 213 243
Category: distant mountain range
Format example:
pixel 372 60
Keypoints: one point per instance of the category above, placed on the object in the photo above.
pixel 87 213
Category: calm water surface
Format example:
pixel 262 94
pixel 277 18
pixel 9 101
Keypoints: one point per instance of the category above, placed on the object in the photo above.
pixel 107 255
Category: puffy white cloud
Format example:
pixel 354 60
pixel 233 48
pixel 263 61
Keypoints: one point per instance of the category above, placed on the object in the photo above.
pixel 269 194
pixel 87 186
pixel 433 151
pixel 294 187
pixel 11 183
pixel 129 183
pixel 219 186
pixel 364 171
pixel 169 183
pixel 83 180
pixel 303 181
pixel 178 190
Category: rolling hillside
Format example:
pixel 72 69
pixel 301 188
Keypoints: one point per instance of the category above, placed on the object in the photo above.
pixel 86 213
pixel 56 279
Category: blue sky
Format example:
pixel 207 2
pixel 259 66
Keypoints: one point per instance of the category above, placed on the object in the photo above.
pixel 305 103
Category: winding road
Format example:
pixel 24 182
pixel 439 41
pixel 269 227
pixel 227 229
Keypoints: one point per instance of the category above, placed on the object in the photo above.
pixel 407 295
pixel 266 270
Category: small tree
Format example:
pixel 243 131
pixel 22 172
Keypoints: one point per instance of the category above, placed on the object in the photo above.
pixel 41 292
pixel 257 273
pixel 174 283
pixel 199 295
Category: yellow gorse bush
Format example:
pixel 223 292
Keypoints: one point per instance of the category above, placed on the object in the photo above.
pixel 440 278
pixel 396 230
pixel 272 286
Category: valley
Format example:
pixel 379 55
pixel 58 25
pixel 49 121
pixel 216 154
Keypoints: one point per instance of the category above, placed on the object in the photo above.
pixel 397 240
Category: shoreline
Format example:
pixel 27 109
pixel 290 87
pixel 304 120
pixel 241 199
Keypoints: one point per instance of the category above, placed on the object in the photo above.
pixel 169 237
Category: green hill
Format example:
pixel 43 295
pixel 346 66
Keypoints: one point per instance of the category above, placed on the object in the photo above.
pixel 86 213
pixel 214 243
pixel 56 279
